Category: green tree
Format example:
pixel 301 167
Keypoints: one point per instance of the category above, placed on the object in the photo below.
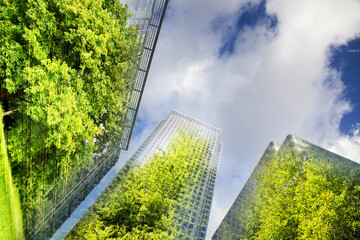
pixel 298 196
pixel 64 69
pixel 146 204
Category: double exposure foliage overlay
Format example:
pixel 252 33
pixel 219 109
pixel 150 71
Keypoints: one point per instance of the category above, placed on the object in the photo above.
pixel 63 67
pixel 297 196
pixel 146 205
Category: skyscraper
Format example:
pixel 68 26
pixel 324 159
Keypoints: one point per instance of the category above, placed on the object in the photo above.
pixel 55 178
pixel 197 209
pixel 192 148
pixel 228 228
pixel 310 177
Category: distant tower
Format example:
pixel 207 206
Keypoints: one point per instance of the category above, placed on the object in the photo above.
pixel 228 228
pixel 197 209
pixel 232 226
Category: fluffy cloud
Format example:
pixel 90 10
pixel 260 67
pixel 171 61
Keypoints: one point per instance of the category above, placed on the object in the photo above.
pixel 276 81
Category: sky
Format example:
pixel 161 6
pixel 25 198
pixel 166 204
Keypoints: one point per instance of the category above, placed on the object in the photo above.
pixel 259 70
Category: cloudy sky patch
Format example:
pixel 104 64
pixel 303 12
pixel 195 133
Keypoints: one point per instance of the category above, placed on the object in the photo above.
pixel 258 70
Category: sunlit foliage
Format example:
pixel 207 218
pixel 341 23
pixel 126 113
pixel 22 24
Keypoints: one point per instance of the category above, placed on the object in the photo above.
pixel 10 210
pixel 147 204
pixel 302 196
pixel 64 84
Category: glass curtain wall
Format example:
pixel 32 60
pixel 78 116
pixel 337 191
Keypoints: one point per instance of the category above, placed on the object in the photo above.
pixel 46 206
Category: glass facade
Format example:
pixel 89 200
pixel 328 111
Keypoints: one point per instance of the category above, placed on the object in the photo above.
pixel 232 226
pixel 58 195
pixel 228 228
pixel 195 210
pixel 148 15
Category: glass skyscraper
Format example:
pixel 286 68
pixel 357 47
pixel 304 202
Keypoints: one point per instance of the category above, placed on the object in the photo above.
pixel 196 210
pixel 48 197
pixel 228 229
pixel 233 224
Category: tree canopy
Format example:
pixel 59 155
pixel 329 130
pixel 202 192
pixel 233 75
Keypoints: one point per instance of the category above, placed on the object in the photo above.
pixel 298 196
pixel 147 204
pixel 64 69
pixel 65 82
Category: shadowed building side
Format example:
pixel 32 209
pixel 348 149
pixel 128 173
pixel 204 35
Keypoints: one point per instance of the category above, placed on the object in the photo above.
pixel 311 161
pixel 228 228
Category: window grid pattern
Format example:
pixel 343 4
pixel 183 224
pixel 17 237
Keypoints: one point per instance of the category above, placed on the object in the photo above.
pixel 195 211
pixel 58 202
pixel 148 16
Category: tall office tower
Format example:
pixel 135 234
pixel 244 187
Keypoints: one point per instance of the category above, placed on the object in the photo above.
pixel 192 215
pixel 56 160
pixel 196 210
pixel 312 166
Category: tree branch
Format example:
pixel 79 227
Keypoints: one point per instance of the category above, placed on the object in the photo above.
pixel 10 112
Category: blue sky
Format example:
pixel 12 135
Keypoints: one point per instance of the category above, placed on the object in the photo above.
pixel 259 70
pixel 248 16
pixel 346 59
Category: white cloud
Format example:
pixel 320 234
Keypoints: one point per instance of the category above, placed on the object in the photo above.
pixel 276 82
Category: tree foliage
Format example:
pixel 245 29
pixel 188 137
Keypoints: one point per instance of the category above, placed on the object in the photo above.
pixel 63 67
pixel 147 203
pixel 297 196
